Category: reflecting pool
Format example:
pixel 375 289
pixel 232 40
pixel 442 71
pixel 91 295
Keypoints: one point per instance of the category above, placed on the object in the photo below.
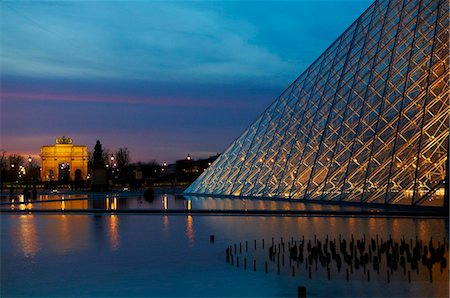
pixel 173 255
pixel 164 200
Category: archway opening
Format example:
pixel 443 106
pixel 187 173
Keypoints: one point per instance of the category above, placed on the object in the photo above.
pixel 64 171
pixel 78 175
pixel 51 175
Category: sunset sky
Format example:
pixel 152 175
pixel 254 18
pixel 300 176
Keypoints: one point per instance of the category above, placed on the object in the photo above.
pixel 164 79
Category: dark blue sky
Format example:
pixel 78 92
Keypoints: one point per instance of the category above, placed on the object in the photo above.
pixel 162 78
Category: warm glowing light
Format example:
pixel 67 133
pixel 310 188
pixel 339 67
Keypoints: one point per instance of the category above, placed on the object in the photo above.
pixel 21 200
pixel 189 205
pixel 165 203
pixel 114 203
pixel 440 192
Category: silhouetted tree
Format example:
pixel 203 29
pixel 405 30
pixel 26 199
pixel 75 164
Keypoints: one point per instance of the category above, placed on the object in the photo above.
pixel 16 160
pixel 3 164
pixel 3 169
pixel 106 156
pixel 123 158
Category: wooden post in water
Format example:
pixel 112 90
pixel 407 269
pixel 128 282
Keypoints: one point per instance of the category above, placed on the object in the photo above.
pixel 301 292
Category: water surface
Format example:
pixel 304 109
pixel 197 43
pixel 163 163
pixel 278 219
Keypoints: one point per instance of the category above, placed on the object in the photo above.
pixel 161 255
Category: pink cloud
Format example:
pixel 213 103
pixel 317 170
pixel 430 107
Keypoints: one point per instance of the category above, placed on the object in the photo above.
pixel 145 100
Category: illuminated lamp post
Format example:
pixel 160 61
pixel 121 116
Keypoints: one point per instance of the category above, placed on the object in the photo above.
pixel 13 174
pixel 111 165
pixel 29 167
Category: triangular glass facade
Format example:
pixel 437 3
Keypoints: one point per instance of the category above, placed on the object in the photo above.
pixel 367 122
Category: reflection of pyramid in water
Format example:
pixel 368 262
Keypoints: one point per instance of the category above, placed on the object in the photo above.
pixel 366 122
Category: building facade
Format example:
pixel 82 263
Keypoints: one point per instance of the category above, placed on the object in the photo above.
pixel 64 161
pixel 367 122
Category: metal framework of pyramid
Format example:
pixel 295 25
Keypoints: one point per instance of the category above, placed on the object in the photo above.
pixel 367 122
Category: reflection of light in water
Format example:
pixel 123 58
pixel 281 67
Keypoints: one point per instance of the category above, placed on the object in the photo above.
pixel 372 226
pixel 396 228
pixel 107 202
pixel 166 225
pixel 63 204
pixel 114 231
pixel 332 226
pixel 352 224
pixel 190 229
pixel 64 234
pixel 423 229
pixel 165 203
pixel 28 235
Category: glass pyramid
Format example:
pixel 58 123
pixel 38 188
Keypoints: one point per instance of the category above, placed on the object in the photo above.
pixel 367 122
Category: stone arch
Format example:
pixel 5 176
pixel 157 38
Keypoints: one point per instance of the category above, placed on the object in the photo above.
pixel 63 152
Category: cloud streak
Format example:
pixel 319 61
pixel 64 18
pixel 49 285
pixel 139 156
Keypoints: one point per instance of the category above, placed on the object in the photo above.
pixel 141 100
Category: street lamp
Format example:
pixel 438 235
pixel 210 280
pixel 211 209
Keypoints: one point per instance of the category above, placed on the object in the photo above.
pixel 112 165
pixel 188 157
pixel 29 169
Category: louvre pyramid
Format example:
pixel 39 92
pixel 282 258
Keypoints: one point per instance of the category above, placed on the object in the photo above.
pixel 367 122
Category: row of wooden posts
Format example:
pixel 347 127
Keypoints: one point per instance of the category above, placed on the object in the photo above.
pixel 355 254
